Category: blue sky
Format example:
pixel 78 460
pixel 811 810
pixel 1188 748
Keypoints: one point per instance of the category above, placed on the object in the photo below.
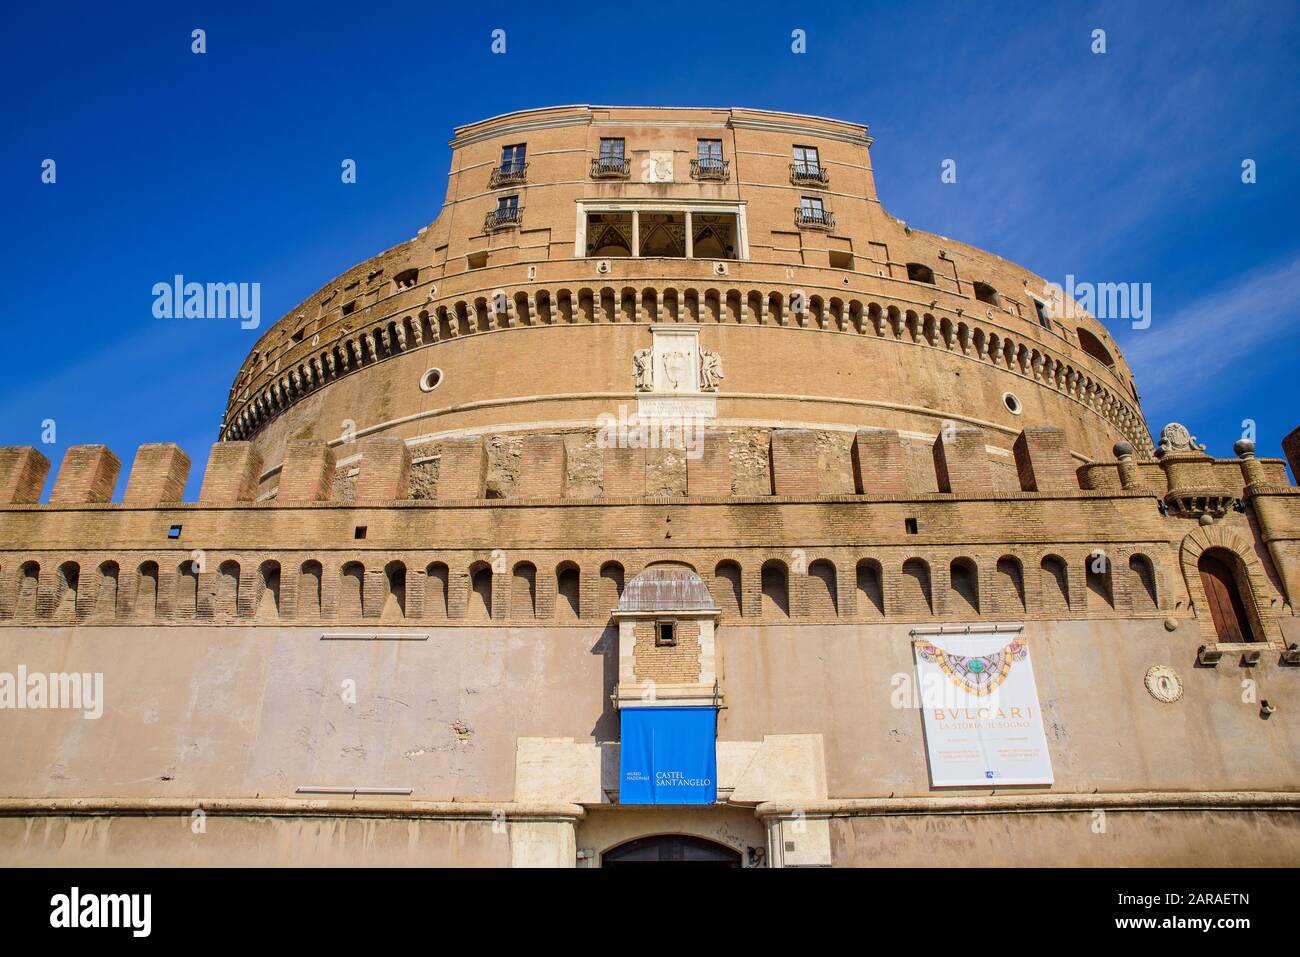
pixel 1120 167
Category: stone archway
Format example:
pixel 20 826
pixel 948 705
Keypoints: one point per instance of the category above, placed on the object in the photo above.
pixel 1223 597
pixel 1252 583
pixel 672 850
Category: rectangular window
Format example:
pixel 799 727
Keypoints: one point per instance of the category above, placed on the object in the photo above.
pixel 665 633
pixel 1041 311
pixel 507 204
pixel 611 148
pixel 513 158
pixel 806 160
pixel 710 152
pixel 812 207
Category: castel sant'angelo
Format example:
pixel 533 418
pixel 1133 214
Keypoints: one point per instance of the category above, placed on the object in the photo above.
pixel 665 499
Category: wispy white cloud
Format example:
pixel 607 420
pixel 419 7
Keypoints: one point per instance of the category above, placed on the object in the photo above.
pixel 1180 354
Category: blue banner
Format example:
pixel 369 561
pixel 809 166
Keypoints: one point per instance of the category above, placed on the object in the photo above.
pixel 669 756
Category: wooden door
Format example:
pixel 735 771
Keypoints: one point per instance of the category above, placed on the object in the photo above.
pixel 1226 608
pixel 678 850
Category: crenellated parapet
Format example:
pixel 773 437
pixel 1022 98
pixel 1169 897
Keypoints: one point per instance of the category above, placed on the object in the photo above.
pixel 954 544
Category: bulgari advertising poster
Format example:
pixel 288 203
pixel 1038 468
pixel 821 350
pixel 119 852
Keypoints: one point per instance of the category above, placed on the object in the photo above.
pixel 983 727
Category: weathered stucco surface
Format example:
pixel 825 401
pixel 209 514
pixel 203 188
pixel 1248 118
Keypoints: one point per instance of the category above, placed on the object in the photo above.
pixel 214 713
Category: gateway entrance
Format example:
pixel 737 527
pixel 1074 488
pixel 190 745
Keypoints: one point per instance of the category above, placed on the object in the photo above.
pixel 671 850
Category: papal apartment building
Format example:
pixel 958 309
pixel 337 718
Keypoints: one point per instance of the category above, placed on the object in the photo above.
pixel 664 500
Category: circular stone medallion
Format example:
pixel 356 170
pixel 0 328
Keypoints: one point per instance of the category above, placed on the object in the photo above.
pixel 1163 683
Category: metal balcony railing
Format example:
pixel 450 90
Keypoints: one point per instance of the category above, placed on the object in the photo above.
pixel 813 218
pixel 803 174
pixel 507 174
pixel 714 169
pixel 610 167
pixel 503 217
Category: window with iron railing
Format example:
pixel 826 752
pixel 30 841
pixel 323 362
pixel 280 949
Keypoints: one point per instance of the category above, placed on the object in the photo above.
pixel 708 162
pixel 507 213
pixel 811 212
pixel 612 162
pixel 513 168
pixel 807 168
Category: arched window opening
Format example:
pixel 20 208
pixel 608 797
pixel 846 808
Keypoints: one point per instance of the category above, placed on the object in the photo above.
pixel 986 293
pixel 568 586
pixel 726 591
pixel 394 592
pixel 187 590
pixel 228 589
pixel 611 585
pixel 523 591
pixel 871 590
pixel 1011 585
pixel 1055 585
pixel 268 592
pixel 965 587
pixel 776 590
pixel 1100 594
pixel 309 589
pixel 823 590
pixel 65 595
pixel 1142 583
pixel 28 582
pixel 352 590
pixel 480 595
pixel 106 597
pixel 146 591
pixel 436 590
pixel 915 588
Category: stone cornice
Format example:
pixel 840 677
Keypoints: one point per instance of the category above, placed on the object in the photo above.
pixel 289 807
pixel 1035 803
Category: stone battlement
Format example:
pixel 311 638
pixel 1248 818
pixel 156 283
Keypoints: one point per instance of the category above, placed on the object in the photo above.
pixel 958 545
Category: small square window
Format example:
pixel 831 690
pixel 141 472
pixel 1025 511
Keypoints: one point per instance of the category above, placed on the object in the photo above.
pixel 665 633
pixel 349 307
pixel 910 525
pixel 359 532
pixel 174 532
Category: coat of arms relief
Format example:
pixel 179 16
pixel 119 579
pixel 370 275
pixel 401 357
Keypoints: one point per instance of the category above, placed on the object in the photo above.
pixel 676 364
